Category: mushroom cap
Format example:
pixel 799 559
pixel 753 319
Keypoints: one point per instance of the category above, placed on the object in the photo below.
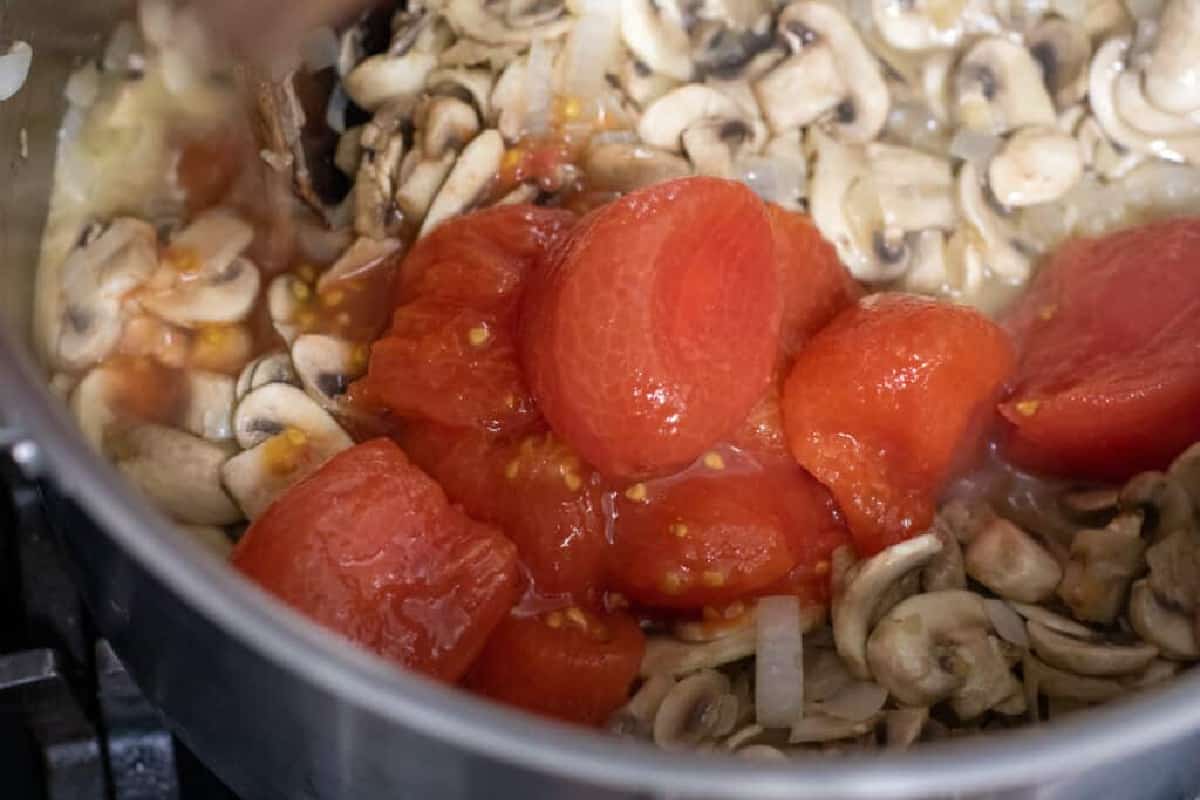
pixel 999 88
pixel 275 407
pixel 226 296
pixel 1034 166
pixel 657 42
pixel 664 121
pixel 470 176
pixel 326 366
pixel 694 708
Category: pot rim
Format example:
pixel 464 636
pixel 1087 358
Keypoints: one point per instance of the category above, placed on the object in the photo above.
pixel 1023 757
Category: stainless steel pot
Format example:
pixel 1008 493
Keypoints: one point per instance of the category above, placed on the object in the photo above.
pixel 281 709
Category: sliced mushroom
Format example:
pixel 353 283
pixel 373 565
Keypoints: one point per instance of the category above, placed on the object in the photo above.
pixel 802 89
pixel 226 296
pixel 1088 657
pixel 472 85
pixel 915 189
pixel 363 257
pixel 383 148
pixel 636 717
pixel 762 752
pixel 694 709
pixel 987 680
pixel 1004 253
pixel 672 657
pixel 666 119
pixel 519 21
pixel 270 368
pixel 94 279
pixel 209 408
pixel 1185 470
pixel 387 78
pixel 946 569
pixel 1061 48
pixel 1174 563
pixel 903 726
pixel 1007 623
pixel 448 124
pixel 1054 621
pixel 825 674
pixel 326 366
pixel 862 113
pixel 1161 498
pixel 999 88
pixel 857 701
pixel 471 175
pixel 623 167
pixel 272 409
pixel 1168 629
pixel 1043 679
pixel 416 194
pixel 814 728
pixel 913 651
pixel 1173 72
pixel 656 40
pixel 1035 165
pixel 1102 565
pixel 856 600
pixel 178 472
pixel 1011 563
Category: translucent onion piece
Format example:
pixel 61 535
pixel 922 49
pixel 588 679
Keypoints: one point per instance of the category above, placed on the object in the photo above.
pixel 779 664
pixel 974 147
pixel 776 180
pixel 592 47
pixel 14 69
pixel 1007 622
pixel 539 87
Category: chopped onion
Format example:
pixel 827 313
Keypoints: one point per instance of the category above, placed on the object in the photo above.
pixel 591 48
pixel 320 49
pixel 539 87
pixel 14 69
pixel 856 702
pixel 779 663
pixel 779 179
pixel 1007 622
pixel 974 147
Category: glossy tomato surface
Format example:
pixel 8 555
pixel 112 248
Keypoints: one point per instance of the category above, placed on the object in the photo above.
pixel 1109 378
pixel 653 330
pixel 369 547
pixel 885 402
pixel 571 664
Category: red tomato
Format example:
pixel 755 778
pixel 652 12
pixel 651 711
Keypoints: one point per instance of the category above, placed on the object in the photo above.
pixel 884 404
pixel 652 331
pixel 369 547
pixel 571 665
pixel 1109 377
pixel 812 281
pixel 450 356
pixel 722 530
pixel 535 489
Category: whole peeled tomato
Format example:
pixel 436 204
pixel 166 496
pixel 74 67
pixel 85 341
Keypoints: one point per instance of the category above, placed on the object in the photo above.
pixel 1108 382
pixel 370 547
pixel 886 402
pixel 652 331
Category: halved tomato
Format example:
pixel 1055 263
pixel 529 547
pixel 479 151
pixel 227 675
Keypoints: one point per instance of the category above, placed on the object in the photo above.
pixel 369 547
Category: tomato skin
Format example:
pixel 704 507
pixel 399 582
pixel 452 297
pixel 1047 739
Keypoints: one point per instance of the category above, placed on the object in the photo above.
pixel 535 489
pixel 885 403
pixel 450 355
pixel 1109 376
pixel 652 331
pixel 573 665
pixel 814 284
pixel 369 547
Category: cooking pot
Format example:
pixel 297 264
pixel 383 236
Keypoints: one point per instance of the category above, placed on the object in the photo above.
pixel 281 709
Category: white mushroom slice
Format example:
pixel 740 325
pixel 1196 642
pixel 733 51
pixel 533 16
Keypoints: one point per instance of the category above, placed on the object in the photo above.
pixel 916 189
pixel 211 538
pixel 1102 565
pixel 855 602
pixel 672 657
pixel 1035 165
pixel 463 83
pixel 913 651
pixel 522 22
pixel 1088 658
pixel 1135 108
pixel 623 167
pixel 1004 253
pixel 930 24
pixel 845 208
pixel 1174 563
pixel 814 728
pixel 636 717
pixel 209 409
pixel 987 680
pixel 93 281
pixel 1062 48
pixel 861 116
pixel 1173 72
pixel 825 674
pixel 180 473
pixel 903 726
pixel 999 88
pixel 1011 563
pixel 857 701
pixel 1161 498
pixel 762 752
pixel 1107 66
pixel 946 569
pixel 1158 671
pixel 257 477
pixel 472 174
pixel 928 270
pixel 802 89
pixel 1007 622
pixel 693 710
pixel 327 366
pixel 213 242
pixel 655 38
pixel 935 84
pixel 449 123
pixel 1041 678
pixel 715 146
pixel 640 85
pixel 226 296
pixel 664 121
pixel 274 408
pixel 385 78
pixel 1170 630
pixel 361 258
pixel 420 187
pixel 1056 622
pixel 269 368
